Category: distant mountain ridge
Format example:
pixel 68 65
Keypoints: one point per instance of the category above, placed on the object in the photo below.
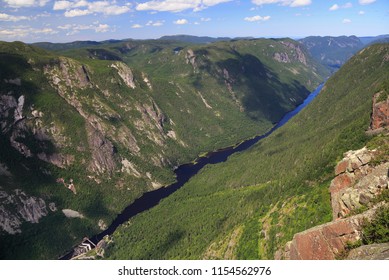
pixel 194 39
pixel 332 51
pixel 375 39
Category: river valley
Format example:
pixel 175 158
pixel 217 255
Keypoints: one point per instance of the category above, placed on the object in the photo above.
pixel 183 174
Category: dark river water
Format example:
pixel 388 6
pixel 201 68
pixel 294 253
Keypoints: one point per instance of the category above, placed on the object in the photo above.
pixel 186 171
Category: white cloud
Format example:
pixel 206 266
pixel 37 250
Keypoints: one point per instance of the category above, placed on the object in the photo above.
pixel 155 23
pixel 102 28
pixel 262 2
pixel 181 21
pixel 115 10
pixel 158 23
pixel 77 13
pixel 136 26
pixel 334 7
pixel 25 31
pixel 77 28
pixel 47 31
pixel 291 3
pixel 6 17
pixel 257 18
pixel 62 5
pixel 366 2
pixel 65 27
pixel 44 14
pixel 26 3
pixel 337 7
pixel 346 20
pixel 178 5
pixel 72 8
pixel 300 3
pixel 361 12
pixel 205 19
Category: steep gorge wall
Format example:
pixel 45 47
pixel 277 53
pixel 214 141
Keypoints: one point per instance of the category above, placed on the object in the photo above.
pixel 360 177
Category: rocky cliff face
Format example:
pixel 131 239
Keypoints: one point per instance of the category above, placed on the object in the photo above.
pixel 17 207
pixel 370 252
pixel 380 114
pixel 357 183
pixel 360 177
pixel 326 241
pixel 355 187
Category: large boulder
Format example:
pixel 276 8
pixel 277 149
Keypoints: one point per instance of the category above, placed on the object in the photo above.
pixel 370 252
pixel 327 241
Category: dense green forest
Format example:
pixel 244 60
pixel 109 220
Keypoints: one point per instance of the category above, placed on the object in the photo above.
pixel 249 206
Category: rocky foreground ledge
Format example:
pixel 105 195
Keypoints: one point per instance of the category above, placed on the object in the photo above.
pixel 360 178
pixel 354 189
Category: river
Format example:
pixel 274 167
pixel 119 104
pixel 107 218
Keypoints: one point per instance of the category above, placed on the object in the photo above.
pixel 186 171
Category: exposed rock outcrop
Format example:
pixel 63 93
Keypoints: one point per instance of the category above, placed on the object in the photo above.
pixel 98 130
pixel 8 105
pixel 191 58
pixel 363 192
pixel 4 171
pixel 281 57
pixel 103 152
pixel 360 177
pixel 355 187
pixel 147 81
pixel 380 114
pixel 130 168
pixel 152 122
pixel 346 194
pixel 69 72
pixel 125 73
pixel 16 81
pixel 69 213
pixel 17 207
pixel 26 130
pixel 298 54
pixel 326 241
pixel 370 252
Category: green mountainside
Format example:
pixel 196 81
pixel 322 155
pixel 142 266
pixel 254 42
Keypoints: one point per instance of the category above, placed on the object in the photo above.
pixel 249 206
pixel 332 51
pixel 87 129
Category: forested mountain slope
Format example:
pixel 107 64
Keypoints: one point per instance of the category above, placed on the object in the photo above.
pixel 86 131
pixel 332 51
pixel 251 205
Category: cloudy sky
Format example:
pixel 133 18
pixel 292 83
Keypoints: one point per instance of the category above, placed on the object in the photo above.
pixel 70 20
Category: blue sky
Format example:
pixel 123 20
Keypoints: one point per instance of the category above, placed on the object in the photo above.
pixel 70 20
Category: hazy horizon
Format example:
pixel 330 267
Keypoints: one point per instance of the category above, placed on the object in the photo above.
pixel 227 37
pixel 80 20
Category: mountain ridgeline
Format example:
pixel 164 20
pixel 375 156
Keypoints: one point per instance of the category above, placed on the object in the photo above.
pixel 250 206
pixel 87 129
pixel 332 51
